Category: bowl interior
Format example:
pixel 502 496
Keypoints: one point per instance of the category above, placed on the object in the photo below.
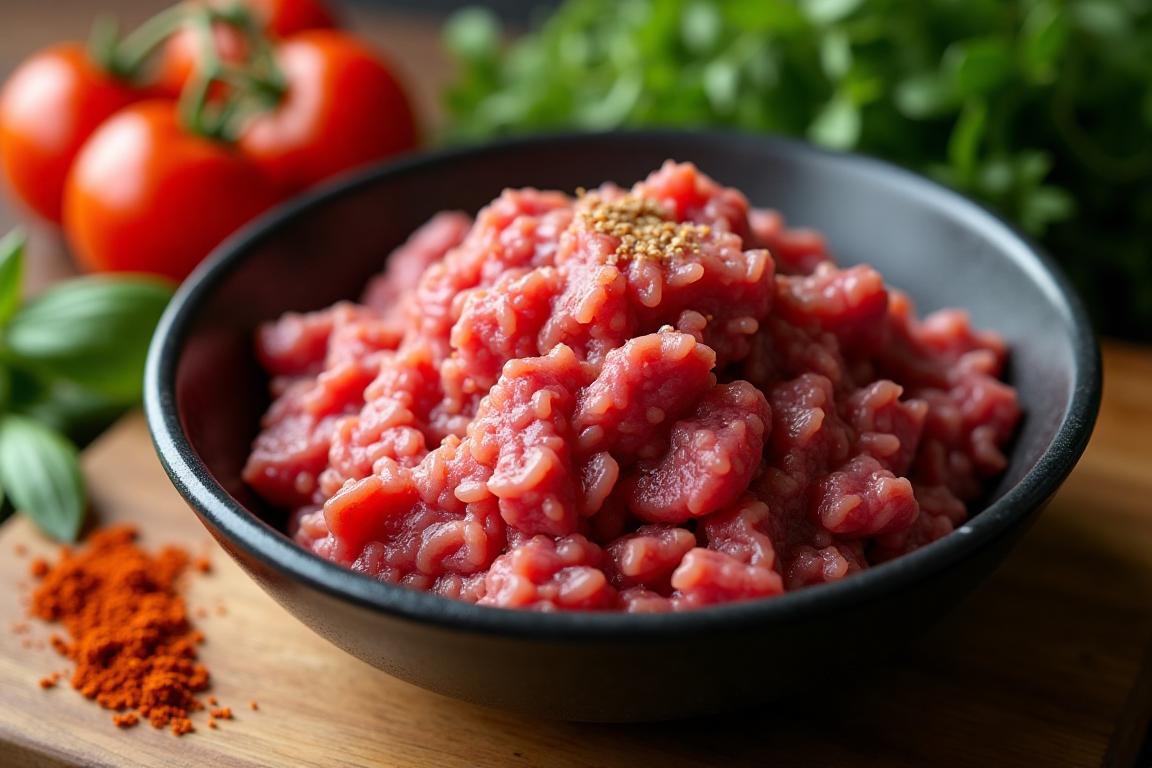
pixel 943 250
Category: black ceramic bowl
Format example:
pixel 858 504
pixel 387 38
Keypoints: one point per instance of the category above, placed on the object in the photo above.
pixel 205 394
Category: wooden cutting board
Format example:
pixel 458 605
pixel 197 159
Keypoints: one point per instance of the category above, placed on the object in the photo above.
pixel 1047 663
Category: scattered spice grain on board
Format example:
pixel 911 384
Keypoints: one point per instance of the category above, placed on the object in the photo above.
pixel 125 721
pixel 128 630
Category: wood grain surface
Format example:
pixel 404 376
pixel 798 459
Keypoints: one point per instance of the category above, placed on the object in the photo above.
pixel 1045 664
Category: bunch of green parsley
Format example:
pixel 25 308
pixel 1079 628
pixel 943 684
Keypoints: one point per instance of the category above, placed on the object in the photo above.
pixel 1040 108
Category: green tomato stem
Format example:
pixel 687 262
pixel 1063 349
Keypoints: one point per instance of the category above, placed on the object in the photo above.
pixel 125 58
pixel 256 86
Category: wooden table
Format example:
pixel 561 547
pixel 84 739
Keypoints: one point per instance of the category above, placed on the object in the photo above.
pixel 1047 663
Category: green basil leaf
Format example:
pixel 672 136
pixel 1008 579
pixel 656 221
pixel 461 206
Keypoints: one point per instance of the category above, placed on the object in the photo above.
pixel 829 11
pixel 40 472
pixel 613 109
pixel 980 66
pixel 5 391
pixel 701 27
pixel 473 34
pixel 925 96
pixel 838 124
pixel 1044 206
pixel 11 273
pixel 1104 18
pixel 964 143
pixel 774 16
pixel 24 388
pixel 996 176
pixel 722 85
pixel 74 411
pixel 1043 38
pixel 836 54
pixel 92 330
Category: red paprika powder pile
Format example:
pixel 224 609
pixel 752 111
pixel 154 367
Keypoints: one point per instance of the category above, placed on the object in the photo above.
pixel 130 638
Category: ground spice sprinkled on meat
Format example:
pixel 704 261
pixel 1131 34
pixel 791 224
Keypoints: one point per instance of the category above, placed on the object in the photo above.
pixel 654 399
pixel 643 227
pixel 129 635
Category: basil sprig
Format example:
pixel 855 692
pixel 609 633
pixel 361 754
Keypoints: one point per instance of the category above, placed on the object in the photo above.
pixel 71 361
pixel 40 473
pixel 93 331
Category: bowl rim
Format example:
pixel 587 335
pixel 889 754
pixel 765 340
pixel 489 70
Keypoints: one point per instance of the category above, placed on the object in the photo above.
pixel 260 541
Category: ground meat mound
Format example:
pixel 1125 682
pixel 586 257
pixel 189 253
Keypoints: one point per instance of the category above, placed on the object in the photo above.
pixel 643 400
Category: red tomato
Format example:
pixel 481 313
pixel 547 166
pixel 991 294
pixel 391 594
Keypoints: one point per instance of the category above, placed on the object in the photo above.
pixel 343 109
pixel 146 195
pixel 49 106
pixel 287 17
pixel 279 18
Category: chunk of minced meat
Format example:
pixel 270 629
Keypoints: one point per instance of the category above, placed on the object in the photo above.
pixel 643 399
pixel 711 459
pixel 546 574
pixel 644 387
pixel 524 433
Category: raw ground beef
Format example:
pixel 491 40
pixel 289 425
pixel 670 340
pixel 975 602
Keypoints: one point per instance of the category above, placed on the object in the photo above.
pixel 645 400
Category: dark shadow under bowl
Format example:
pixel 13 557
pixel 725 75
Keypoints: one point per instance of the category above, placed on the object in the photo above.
pixel 205 394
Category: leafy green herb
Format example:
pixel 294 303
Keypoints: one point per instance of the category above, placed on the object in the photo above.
pixel 11 273
pixel 39 471
pixel 1041 108
pixel 71 361
pixel 93 331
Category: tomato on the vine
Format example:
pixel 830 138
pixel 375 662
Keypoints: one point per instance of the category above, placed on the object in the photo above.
pixel 147 195
pixel 287 17
pixel 50 105
pixel 342 109
pixel 278 18
pixel 182 53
